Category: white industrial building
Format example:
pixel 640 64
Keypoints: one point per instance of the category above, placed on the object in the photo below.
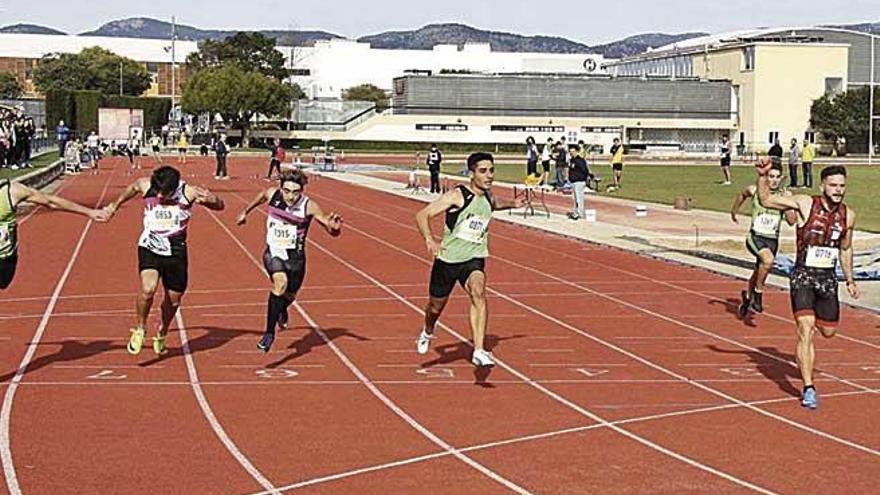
pixel 328 68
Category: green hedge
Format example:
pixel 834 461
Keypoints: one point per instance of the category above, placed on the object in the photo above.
pixel 79 109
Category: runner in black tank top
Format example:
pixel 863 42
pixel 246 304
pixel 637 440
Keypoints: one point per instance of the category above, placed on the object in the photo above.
pixel 287 226
pixel 162 252
pixel 824 239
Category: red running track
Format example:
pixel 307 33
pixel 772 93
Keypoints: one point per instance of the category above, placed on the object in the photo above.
pixel 617 373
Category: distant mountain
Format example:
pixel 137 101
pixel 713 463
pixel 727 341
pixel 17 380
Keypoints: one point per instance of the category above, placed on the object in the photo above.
pixel 143 27
pixel 867 27
pixel 29 29
pixel 458 34
pixel 640 43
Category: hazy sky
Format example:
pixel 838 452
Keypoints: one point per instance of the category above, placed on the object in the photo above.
pixel 579 20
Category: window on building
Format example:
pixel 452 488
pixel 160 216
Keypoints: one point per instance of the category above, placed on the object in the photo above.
pixel 833 85
pixel 527 128
pixel 742 138
pixel 772 137
pixel 300 72
pixel 810 136
pixel 748 53
pixel 441 127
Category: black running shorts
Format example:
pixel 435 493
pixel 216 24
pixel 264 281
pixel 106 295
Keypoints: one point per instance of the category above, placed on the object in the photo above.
pixel 173 270
pixel 815 292
pixel 617 167
pixel 546 165
pixel 7 270
pixel 444 275
pixel 755 243
pixel 294 267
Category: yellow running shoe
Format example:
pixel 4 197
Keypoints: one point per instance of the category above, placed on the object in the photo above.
pixel 136 341
pixel 159 344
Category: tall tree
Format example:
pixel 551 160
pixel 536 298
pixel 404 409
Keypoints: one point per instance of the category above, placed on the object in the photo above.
pixel 236 94
pixel 93 68
pixel 9 86
pixel 251 51
pixel 845 115
pixel 368 92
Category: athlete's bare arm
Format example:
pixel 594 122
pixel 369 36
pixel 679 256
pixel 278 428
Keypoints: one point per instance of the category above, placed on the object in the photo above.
pixel 741 198
pixel 846 253
pixel 204 197
pixel 790 216
pixel 449 199
pixel 800 203
pixel 504 204
pixel 21 193
pixel 140 186
pixel 259 199
pixel 332 222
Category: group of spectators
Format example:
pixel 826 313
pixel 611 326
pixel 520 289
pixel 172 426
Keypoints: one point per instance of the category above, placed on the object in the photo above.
pixel 797 155
pixel 17 133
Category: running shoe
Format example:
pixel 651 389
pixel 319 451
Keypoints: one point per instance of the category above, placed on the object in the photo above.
pixel 482 358
pixel 757 303
pixel 744 307
pixel 423 343
pixel 265 343
pixel 810 399
pixel 159 344
pixel 136 341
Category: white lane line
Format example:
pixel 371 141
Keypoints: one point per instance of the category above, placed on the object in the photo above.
pixel 209 413
pixel 377 392
pixel 6 410
pixel 530 438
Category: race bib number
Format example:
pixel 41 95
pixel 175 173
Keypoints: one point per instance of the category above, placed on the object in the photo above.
pixel 821 257
pixel 281 235
pixel 766 224
pixel 473 229
pixel 155 243
pixel 163 219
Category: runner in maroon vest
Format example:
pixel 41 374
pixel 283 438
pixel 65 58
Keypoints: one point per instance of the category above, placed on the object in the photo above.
pixel 824 238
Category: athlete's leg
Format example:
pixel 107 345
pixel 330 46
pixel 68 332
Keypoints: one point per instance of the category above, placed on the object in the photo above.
pixel 806 352
pixel 765 263
pixel 149 284
pixel 479 311
pixel 170 303
pixel 432 312
pixel 277 302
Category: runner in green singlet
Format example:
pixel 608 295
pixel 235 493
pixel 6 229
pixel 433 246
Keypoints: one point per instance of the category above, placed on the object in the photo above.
pixel 13 194
pixel 763 238
pixel 461 255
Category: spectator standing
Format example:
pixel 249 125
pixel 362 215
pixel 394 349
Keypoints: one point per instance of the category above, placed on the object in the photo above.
pixel 435 158
pixel 807 156
pixel 546 155
pixel 182 145
pixel 794 155
pixel 221 151
pixel 93 143
pixel 617 150
pixel 725 160
pixel 62 135
pixel 561 155
pixel 531 157
pixel 275 160
pixel 578 174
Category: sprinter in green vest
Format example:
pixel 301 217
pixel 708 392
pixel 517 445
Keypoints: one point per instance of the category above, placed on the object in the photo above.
pixel 763 238
pixel 461 255
pixel 13 194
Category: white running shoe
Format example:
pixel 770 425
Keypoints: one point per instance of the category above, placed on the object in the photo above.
pixel 482 358
pixel 423 343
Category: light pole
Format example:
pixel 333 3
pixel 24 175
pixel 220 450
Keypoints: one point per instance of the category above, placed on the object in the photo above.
pixel 871 85
pixel 120 78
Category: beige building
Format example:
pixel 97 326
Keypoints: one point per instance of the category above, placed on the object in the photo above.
pixel 776 75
